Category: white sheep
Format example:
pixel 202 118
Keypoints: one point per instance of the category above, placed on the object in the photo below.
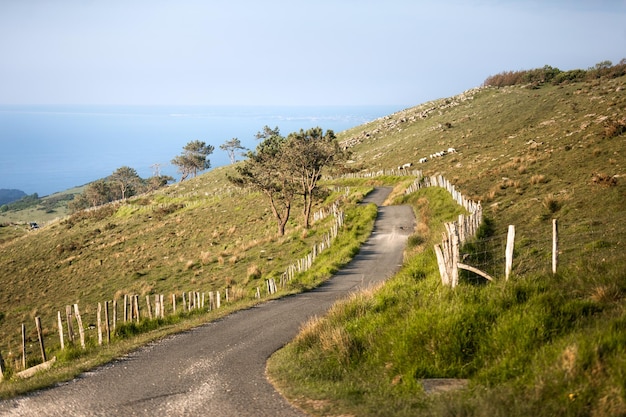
pixel 451 150
pixel 423 160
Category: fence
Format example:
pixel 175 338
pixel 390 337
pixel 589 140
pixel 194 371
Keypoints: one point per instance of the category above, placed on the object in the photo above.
pixel 304 264
pixel 110 313
pixel 457 232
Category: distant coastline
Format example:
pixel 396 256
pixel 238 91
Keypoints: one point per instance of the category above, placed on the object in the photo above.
pixel 47 149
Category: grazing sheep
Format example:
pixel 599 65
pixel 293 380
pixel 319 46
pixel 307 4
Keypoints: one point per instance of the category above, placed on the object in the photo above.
pixel 423 160
pixel 451 150
pixel 406 166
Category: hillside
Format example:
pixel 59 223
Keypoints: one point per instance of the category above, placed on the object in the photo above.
pixel 528 154
pixel 8 196
pixel 538 344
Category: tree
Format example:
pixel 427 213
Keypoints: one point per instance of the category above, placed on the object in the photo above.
pixel 267 171
pixel 267 133
pixel 126 180
pixel 193 159
pixel 307 154
pixel 98 193
pixel 231 146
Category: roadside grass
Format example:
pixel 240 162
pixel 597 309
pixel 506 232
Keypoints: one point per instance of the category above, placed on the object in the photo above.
pixel 535 345
pixel 242 261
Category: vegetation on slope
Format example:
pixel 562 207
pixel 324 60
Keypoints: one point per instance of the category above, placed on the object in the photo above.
pixel 538 344
pixel 201 235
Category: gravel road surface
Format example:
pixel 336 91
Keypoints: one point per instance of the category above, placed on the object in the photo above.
pixel 218 369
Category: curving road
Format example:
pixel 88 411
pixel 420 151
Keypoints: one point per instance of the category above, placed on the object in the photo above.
pixel 218 369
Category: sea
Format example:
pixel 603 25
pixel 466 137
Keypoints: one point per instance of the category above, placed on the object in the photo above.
pixel 49 149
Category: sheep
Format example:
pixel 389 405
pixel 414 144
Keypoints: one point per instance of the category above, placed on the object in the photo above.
pixel 406 166
pixel 451 150
pixel 423 160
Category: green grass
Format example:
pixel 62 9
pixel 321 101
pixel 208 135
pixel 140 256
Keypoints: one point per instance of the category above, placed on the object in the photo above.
pixel 543 339
pixel 188 237
pixel 536 345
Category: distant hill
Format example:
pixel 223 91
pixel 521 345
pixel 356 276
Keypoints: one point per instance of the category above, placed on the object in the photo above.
pixel 8 196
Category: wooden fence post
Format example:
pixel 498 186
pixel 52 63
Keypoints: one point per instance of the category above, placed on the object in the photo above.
pixel 157 306
pixel 99 323
pixel 555 246
pixel 137 316
pixel 174 303
pixel 81 330
pixel 114 314
pixel 23 346
pixel 161 299
pixel 107 326
pixel 454 270
pixel 149 307
pixel 184 302
pixel 70 329
pixel 510 245
pixel 60 323
pixel 1 367
pixel 218 300
pixel 40 336
pixel 125 307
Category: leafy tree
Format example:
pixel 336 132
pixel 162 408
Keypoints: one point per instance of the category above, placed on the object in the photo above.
pixel 307 154
pixel 267 133
pixel 231 146
pixel 158 181
pixel 193 158
pixel 266 171
pixel 127 181
pixel 98 193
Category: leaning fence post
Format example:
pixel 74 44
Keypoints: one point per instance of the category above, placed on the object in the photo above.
pixel 40 336
pixel 555 246
pixel 510 245
pixel 81 330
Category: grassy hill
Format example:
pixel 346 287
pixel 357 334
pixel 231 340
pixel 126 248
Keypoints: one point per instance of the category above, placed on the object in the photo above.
pixel 528 154
pixel 538 344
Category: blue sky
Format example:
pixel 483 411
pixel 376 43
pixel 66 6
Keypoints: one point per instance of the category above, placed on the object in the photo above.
pixel 296 52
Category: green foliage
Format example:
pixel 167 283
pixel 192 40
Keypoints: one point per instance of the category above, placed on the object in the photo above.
pixel 555 76
pixel 193 159
pixel 23 203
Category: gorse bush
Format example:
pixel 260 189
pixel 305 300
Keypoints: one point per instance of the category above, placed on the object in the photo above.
pixel 555 76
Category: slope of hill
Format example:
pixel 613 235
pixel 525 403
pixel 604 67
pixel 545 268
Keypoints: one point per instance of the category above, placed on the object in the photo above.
pixel 528 154
pixel 537 344
pixel 201 235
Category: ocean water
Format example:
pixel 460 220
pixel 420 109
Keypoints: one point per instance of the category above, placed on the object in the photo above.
pixel 46 149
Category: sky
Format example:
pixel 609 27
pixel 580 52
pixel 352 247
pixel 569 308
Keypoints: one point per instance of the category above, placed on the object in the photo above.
pixel 297 52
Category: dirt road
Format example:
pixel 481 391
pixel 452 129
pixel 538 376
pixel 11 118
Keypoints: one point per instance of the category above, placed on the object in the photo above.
pixel 218 369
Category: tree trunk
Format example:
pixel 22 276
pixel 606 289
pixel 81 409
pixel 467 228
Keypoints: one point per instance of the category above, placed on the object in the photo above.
pixel 308 203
